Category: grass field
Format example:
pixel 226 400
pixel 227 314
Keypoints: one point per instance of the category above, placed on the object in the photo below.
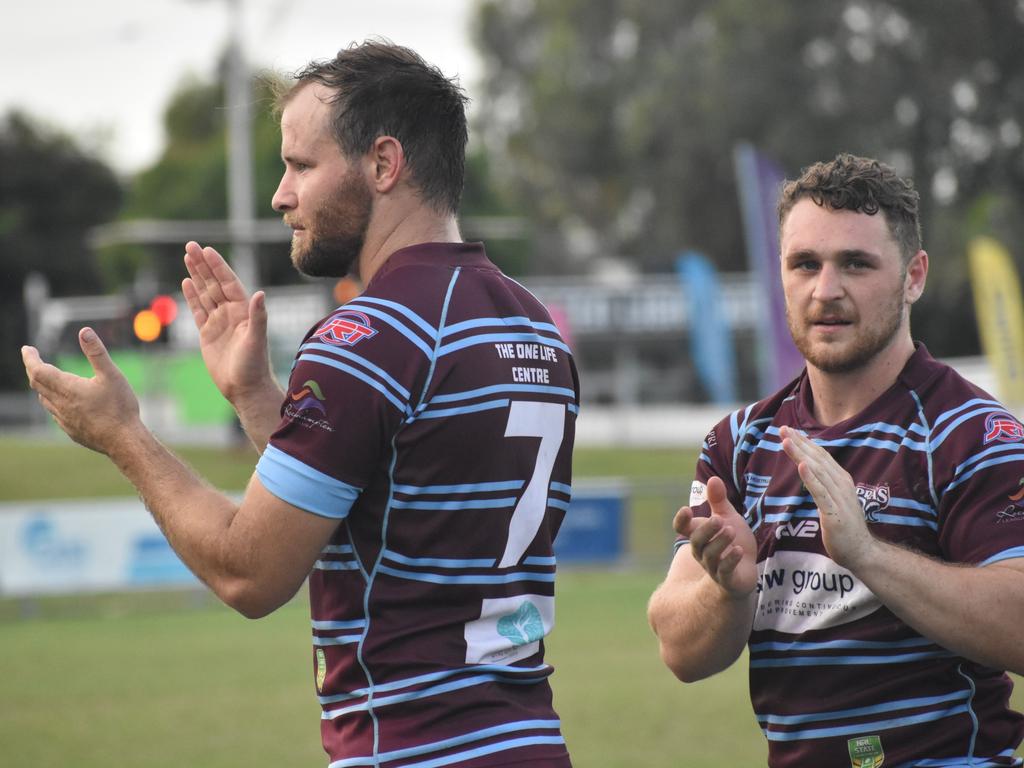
pixel 174 679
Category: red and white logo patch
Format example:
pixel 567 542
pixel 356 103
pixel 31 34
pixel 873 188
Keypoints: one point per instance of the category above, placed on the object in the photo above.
pixel 1002 427
pixel 346 328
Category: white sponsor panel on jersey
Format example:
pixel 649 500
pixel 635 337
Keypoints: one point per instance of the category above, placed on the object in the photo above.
pixel 801 591
pixel 698 493
pixel 509 628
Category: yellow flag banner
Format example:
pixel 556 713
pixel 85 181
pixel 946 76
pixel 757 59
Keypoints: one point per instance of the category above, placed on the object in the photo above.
pixel 997 305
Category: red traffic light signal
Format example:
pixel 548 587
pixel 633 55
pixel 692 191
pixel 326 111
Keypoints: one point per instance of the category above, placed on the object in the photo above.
pixel 149 324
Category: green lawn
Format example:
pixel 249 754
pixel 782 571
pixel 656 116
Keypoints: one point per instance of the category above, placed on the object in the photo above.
pixel 175 679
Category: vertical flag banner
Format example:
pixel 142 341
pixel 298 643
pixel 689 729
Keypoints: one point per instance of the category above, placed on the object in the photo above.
pixel 997 305
pixel 710 334
pixel 759 181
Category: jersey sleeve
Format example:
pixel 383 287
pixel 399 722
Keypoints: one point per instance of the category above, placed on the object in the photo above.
pixel 980 454
pixel 349 391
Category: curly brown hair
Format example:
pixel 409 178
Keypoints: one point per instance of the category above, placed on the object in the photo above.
pixel 864 185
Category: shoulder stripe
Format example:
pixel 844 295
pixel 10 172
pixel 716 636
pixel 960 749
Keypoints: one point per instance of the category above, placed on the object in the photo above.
pixel 964 477
pixel 429 330
pixel 401 405
pixel 361 361
pixel 938 439
pixel 491 322
pixel 963 406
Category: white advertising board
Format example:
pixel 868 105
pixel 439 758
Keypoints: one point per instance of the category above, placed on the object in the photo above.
pixel 67 546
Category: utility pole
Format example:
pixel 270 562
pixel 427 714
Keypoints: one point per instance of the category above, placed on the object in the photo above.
pixel 239 140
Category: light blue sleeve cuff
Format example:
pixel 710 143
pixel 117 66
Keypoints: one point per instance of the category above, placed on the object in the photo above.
pixel 1006 554
pixel 304 487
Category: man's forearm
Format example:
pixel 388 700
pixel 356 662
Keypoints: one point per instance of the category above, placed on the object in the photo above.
pixel 194 517
pixel 701 630
pixel 976 612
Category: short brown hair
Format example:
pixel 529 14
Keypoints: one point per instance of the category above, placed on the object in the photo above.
pixel 383 89
pixel 864 185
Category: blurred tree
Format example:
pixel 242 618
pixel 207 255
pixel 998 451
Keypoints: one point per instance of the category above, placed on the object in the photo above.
pixel 612 122
pixel 189 180
pixel 51 194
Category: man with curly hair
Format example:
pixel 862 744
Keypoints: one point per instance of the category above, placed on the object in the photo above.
pixel 858 530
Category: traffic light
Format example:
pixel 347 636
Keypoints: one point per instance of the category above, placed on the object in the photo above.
pixel 150 323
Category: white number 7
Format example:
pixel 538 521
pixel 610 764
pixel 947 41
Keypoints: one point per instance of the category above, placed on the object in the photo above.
pixel 546 421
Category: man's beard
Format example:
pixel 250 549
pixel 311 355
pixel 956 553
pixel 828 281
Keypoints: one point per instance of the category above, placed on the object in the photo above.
pixel 837 358
pixel 335 236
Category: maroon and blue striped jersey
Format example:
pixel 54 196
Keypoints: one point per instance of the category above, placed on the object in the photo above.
pixel 835 677
pixel 434 417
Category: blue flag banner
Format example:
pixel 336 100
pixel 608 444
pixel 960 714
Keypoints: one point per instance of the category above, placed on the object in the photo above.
pixel 710 335
pixel 759 181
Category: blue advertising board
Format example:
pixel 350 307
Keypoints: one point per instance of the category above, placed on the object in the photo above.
pixel 593 531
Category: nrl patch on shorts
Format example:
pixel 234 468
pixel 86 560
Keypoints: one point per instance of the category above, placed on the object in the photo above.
pixel 866 752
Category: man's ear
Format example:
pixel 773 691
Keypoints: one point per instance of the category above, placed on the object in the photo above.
pixel 917 275
pixel 387 163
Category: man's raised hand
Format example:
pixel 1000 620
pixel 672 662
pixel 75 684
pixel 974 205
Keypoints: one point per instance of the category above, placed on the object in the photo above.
pixel 94 412
pixel 232 324
pixel 723 543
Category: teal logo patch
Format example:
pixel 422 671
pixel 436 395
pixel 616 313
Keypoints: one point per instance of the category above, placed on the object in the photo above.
pixel 523 626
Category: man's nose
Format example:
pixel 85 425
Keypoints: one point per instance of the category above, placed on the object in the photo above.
pixel 284 198
pixel 829 284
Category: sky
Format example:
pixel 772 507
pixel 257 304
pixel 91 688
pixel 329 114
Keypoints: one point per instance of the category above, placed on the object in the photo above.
pixel 104 70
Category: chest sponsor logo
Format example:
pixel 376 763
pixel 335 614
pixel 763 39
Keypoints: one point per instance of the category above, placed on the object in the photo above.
pixel 1003 428
pixel 873 499
pixel 345 328
pixel 802 591
pixel 1020 491
pixel 801 529
pixel 866 752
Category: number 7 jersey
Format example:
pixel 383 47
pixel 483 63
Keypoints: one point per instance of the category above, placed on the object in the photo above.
pixel 434 418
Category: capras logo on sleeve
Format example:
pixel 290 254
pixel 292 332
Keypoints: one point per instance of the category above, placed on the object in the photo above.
pixel 346 327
